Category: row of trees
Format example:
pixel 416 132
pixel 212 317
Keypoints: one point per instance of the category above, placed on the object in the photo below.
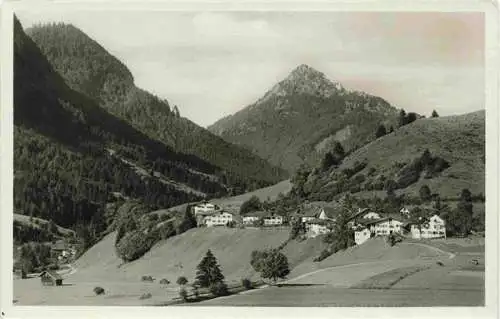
pixel 403 119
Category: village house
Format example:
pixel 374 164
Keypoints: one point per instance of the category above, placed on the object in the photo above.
pixel 362 215
pixel 318 227
pixel 205 207
pixel 273 220
pixel 405 212
pixel 253 217
pixel 318 212
pixel 385 226
pixel 218 218
pixel 51 278
pixel 434 227
pixel 361 235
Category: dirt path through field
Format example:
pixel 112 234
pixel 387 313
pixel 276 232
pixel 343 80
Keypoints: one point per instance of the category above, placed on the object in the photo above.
pixel 450 255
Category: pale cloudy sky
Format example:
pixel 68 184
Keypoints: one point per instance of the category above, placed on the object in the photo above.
pixel 212 64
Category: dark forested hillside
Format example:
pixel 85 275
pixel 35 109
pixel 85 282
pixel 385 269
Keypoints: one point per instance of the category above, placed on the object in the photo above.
pixel 89 69
pixel 302 117
pixel 71 156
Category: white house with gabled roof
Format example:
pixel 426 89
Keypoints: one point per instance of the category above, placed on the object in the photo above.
pixel 219 218
pixel 202 208
pixel 434 227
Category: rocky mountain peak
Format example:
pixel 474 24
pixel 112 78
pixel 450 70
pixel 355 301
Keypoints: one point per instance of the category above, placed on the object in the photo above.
pixel 305 80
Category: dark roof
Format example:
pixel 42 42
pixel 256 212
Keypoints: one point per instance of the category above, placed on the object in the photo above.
pixel 331 212
pixel 312 211
pixel 320 222
pixel 59 245
pixel 256 214
pixel 358 213
pixel 52 274
pixel 376 221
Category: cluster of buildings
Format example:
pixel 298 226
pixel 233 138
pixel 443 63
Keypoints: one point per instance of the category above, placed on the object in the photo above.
pixel 320 220
pixel 210 215
pixel 62 251
pixel 367 224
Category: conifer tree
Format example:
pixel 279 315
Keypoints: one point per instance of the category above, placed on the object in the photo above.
pixel 208 272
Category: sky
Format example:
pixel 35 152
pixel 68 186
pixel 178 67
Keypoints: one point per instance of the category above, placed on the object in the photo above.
pixel 212 64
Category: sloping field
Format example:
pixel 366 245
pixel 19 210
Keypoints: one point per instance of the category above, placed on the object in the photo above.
pixel 179 255
pixel 270 192
pixel 235 202
pixel 375 249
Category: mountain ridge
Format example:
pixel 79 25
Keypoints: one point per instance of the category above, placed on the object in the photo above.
pixel 301 111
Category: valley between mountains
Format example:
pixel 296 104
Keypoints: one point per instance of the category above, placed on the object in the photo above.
pixel 115 189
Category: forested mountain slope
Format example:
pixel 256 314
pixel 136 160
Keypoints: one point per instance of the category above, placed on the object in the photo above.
pixel 89 69
pixel 63 169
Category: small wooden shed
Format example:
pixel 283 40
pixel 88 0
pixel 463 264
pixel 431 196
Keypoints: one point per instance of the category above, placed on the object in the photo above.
pixel 51 278
pixel 20 273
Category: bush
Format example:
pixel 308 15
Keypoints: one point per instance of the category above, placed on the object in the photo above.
pixel 164 282
pixel 246 283
pixel 134 245
pixel 251 205
pixel 371 171
pixel 145 296
pixel 325 253
pixel 182 281
pixel 439 263
pixel 219 289
pixel 183 294
pixel 147 278
pixel 196 292
pixel 99 291
pixel 153 217
pixel 52 267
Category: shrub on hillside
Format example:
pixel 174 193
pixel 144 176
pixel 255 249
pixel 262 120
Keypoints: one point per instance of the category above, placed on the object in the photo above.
pixel 246 283
pixel 355 189
pixel 250 205
pixel 219 289
pixel 134 245
pixel 147 278
pixel 164 281
pixel 166 231
pixel 146 295
pixel 325 253
pixel 181 281
pixel 99 290
pixel 187 222
pixel 183 295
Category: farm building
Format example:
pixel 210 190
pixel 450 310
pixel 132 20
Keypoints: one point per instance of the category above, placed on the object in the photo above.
pixel 51 278
pixel 362 235
pixel 361 216
pixel 273 220
pixel 252 217
pixel 385 226
pixel 219 218
pixel 405 212
pixel 205 207
pixel 318 226
pixel 434 227
pixel 20 273
pixel 319 212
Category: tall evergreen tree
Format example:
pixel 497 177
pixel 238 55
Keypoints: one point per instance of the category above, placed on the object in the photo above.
pixel 381 131
pixel 208 272
pixel 402 118
pixel 434 113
